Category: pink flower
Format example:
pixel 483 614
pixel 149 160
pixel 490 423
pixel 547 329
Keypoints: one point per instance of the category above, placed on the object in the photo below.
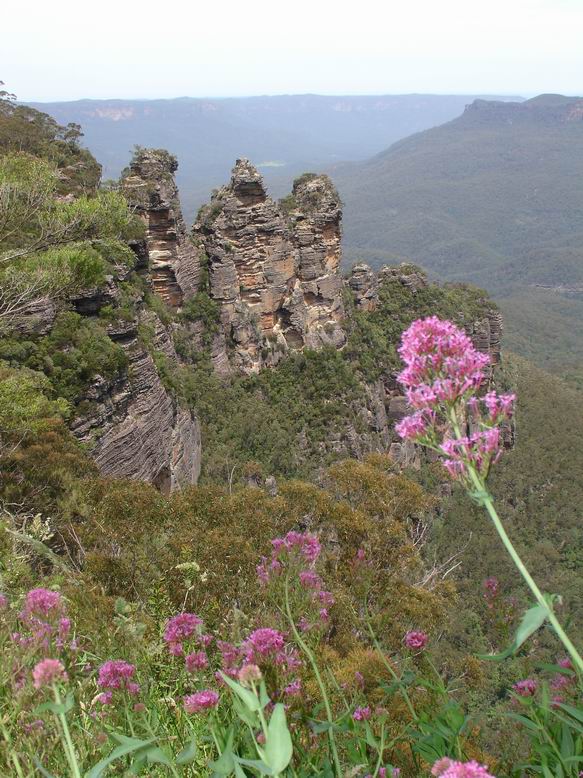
pixel 42 603
pixel 180 628
pixel 249 674
pixel 201 701
pixel 105 698
pixel 416 640
pixel 3 602
pixel 196 661
pixel 310 579
pixel 47 672
pixel 305 543
pixel 116 674
pixel 263 643
pixel 294 688
pixel 447 768
pixel 525 688
pixel 361 714
pixel 412 427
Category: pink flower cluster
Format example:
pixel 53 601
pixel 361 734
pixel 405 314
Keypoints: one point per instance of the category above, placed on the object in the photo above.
pixel 44 620
pixel 526 688
pixel 180 628
pixel 201 701
pixel 116 675
pixel 448 768
pixel 47 672
pixel 303 546
pixel 444 372
pixel 416 640
pixel 303 549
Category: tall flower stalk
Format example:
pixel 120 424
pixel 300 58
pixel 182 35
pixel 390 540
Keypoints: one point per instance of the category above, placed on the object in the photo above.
pixel 443 378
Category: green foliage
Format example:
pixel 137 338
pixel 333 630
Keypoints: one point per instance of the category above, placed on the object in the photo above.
pixel 25 406
pixel 490 198
pixel 373 337
pixel 76 350
pixel 24 129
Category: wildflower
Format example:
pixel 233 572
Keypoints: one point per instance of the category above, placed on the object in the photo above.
pixel 359 678
pixel 416 640
pixel 201 701
pixel 139 707
pixel 526 688
pixel 180 628
pixel 361 714
pixel 105 698
pixel 249 675
pixel 310 579
pixel 326 598
pixel 324 615
pixel 263 642
pixel 294 688
pixel 443 370
pixel 47 672
pixel 305 543
pixel 196 661
pixel 42 603
pixel 35 726
pixel 116 674
pixel 231 655
pixel 3 601
pixel 447 768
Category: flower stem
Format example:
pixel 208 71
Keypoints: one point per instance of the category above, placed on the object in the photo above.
pixel 69 748
pixel 489 506
pixel 387 664
pixel 486 500
pixel 303 645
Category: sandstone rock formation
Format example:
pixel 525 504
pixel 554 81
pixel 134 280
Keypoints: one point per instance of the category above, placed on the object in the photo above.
pixel 274 269
pixel 135 428
pixel 173 263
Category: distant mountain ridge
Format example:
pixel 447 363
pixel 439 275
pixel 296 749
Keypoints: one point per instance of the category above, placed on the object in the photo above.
pixel 493 197
pixel 284 135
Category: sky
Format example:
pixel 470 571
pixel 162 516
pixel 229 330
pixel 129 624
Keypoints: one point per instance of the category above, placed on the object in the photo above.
pixel 66 50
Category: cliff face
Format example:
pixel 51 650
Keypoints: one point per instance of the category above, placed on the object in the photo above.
pixel 275 273
pixel 135 427
pixel 173 263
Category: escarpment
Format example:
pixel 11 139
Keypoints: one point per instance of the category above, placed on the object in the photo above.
pixel 273 268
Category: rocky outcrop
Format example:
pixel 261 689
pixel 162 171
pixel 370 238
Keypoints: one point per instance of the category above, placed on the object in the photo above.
pixel 136 429
pixel 273 268
pixel 172 260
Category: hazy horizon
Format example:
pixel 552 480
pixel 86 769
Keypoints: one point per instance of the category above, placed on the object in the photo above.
pixel 65 52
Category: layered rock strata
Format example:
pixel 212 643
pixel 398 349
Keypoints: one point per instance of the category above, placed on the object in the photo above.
pixel 135 427
pixel 273 267
pixel 172 260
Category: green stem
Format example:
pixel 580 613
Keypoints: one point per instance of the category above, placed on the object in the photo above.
pixel 387 664
pixel 379 763
pixel 69 748
pixel 486 499
pixel 13 754
pixel 323 692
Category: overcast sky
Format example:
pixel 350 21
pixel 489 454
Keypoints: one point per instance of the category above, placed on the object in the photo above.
pixel 65 49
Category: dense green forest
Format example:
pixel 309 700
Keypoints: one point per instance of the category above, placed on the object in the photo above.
pixel 493 198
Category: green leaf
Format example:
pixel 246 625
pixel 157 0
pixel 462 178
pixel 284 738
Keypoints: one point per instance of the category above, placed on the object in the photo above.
pixel 532 620
pixel 157 755
pixel 225 764
pixel 246 695
pixel 278 746
pixel 188 753
pixel 256 764
pixel 130 745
